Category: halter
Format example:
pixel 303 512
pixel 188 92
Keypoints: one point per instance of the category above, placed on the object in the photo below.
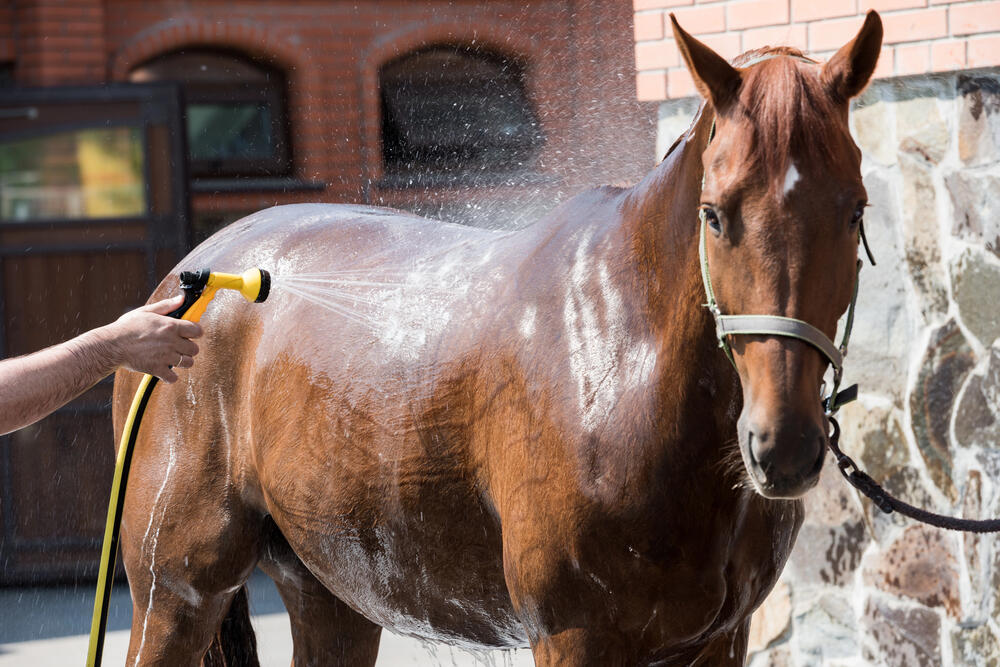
pixel 776 325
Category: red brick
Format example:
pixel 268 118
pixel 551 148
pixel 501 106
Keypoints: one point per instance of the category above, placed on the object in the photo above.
pixel 700 20
pixel 984 51
pixel 657 4
pixel 947 2
pixel 779 35
pixel 726 45
pixel 913 59
pixel 827 35
pixel 651 86
pixel 648 26
pixel 971 19
pixel 916 25
pixel 656 55
pixel 885 67
pixel 888 5
pixel 811 10
pixel 756 13
pixel 947 55
pixel 680 83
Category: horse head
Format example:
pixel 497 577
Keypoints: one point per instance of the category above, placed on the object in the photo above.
pixel 781 207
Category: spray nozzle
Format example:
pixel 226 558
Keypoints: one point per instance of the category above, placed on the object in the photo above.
pixel 253 284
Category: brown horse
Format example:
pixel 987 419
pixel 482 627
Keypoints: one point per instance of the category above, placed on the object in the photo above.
pixel 514 439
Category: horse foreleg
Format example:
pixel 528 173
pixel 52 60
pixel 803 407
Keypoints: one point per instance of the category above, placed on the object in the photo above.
pixel 581 647
pixel 325 631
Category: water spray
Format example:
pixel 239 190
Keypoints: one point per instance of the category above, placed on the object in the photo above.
pixel 199 288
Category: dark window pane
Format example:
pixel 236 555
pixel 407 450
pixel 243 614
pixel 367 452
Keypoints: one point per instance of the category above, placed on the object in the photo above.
pixel 448 109
pixel 234 110
pixel 222 131
pixel 93 173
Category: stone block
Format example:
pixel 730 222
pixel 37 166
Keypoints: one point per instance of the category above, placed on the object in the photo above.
pixel 975 200
pixel 898 637
pixel 921 230
pixel 973 551
pixel 776 657
pixel 975 647
pixel 977 418
pixel 978 120
pixel 920 125
pixel 976 288
pixel 772 620
pixel 921 565
pixel 872 127
pixel 832 502
pixel 828 555
pixel 828 630
pixel 874 433
pixel 946 362
pixel 674 119
pixel 884 324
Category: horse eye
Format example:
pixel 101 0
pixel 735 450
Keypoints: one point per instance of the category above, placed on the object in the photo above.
pixel 859 213
pixel 711 218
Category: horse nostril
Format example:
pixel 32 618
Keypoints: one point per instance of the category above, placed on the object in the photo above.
pixel 760 449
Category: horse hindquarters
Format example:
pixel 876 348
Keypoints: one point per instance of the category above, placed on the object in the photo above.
pixel 188 540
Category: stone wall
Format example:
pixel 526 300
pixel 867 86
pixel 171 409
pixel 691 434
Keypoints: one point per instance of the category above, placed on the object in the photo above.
pixel 862 587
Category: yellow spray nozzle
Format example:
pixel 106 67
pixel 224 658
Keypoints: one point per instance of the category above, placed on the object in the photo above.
pixel 253 284
pixel 199 288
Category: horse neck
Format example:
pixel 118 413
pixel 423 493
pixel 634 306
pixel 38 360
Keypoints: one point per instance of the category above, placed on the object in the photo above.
pixel 661 224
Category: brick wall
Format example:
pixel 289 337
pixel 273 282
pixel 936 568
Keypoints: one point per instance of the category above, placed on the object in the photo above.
pixel 55 41
pixel 921 36
pixel 579 58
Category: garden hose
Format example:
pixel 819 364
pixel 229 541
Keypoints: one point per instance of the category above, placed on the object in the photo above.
pixel 199 288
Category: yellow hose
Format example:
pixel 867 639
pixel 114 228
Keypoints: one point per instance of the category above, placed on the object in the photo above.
pixel 254 285
pixel 109 551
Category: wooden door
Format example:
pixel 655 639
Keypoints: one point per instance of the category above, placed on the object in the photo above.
pixel 93 211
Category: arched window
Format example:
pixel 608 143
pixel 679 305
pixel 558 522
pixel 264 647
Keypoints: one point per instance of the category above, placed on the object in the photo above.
pixel 234 111
pixel 455 110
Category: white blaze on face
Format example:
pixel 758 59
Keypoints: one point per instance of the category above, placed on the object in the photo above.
pixel 791 178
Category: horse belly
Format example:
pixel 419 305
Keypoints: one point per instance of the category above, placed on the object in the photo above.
pixel 419 558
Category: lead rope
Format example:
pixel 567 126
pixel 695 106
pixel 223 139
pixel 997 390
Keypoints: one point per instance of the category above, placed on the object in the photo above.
pixel 886 502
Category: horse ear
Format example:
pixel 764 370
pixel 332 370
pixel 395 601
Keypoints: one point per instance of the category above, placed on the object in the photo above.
pixel 715 79
pixel 848 71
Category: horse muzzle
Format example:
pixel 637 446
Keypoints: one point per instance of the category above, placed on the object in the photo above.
pixel 783 454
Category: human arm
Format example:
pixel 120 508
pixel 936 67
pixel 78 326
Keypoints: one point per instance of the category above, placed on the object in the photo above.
pixel 144 340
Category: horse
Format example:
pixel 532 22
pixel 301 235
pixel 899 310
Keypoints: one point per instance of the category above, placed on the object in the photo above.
pixel 514 439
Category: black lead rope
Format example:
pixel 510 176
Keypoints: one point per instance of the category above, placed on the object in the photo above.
pixel 861 481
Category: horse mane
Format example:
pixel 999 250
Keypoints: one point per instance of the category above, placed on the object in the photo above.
pixel 789 110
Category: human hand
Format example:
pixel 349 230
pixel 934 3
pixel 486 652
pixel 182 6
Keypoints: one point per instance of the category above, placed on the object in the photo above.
pixel 148 341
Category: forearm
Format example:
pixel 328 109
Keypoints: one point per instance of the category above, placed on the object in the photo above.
pixel 34 385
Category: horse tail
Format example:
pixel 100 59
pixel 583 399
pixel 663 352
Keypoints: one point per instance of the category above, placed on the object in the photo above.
pixel 235 644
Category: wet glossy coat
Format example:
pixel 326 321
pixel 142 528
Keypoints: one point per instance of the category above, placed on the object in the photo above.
pixel 514 439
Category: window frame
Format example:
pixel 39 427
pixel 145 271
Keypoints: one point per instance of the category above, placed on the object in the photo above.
pixel 396 173
pixel 273 92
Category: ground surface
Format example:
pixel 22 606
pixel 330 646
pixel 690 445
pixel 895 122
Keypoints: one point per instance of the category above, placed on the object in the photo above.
pixel 45 627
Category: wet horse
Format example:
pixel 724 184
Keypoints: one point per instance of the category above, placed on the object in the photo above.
pixel 514 439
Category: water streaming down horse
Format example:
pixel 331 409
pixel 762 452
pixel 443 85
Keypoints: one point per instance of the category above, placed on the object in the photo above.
pixel 513 439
